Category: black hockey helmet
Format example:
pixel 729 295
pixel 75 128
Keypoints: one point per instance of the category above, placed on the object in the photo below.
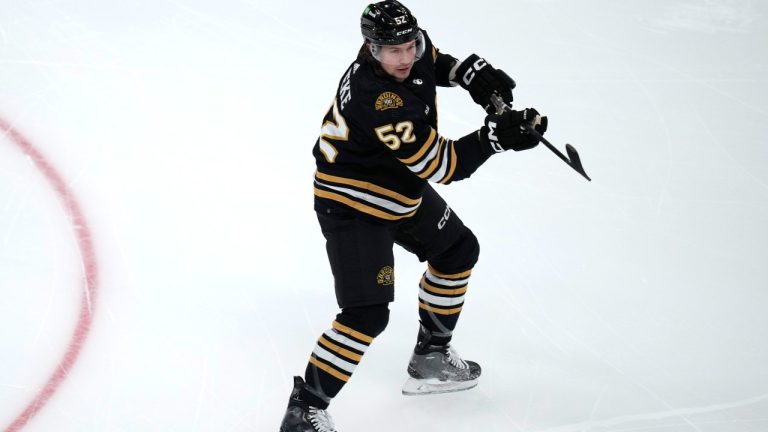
pixel 388 22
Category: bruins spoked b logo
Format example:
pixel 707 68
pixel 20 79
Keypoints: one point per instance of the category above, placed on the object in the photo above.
pixel 386 276
pixel 388 100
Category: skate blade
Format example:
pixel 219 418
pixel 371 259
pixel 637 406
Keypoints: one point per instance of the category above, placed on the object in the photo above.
pixel 416 387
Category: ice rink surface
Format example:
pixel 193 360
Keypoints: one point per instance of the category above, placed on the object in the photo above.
pixel 182 130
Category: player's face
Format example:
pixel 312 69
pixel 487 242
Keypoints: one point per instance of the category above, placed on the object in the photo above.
pixel 397 60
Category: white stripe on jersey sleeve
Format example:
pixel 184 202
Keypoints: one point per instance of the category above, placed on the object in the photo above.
pixel 428 159
pixel 440 173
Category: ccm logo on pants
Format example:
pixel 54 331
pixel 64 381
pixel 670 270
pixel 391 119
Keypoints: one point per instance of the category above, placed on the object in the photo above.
pixel 445 217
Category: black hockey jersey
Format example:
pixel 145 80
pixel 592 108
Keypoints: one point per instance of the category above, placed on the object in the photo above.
pixel 379 143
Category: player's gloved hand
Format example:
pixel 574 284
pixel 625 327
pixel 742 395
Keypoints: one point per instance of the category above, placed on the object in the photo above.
pixel 482 80
pixel 505 131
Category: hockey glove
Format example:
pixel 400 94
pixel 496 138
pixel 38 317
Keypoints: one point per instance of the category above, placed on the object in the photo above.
pixel 482 80
pixel 505 131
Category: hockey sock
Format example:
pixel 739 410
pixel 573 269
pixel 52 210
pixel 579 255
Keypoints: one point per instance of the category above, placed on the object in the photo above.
pixel 441 298
pixel 339 350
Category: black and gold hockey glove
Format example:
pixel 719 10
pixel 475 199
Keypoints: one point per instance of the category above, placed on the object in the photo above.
pixel 482 80
pixel 505 131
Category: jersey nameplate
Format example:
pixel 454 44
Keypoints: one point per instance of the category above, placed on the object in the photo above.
pixel 388 100
pixel 345 93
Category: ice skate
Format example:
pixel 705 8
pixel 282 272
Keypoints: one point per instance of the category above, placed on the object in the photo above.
pixel 300 416
pixel 438 369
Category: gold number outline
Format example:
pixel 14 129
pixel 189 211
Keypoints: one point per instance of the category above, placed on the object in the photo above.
pixel 394 136
pixel 335 129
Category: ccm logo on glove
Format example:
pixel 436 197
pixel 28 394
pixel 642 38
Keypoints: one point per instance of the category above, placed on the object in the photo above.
pixel 493 140
pixel 470 74
pixel 482 80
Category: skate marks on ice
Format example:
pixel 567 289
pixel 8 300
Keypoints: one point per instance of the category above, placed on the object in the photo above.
pixel 683 413
pixel 562 341
pixel 709 16
pixel 81 233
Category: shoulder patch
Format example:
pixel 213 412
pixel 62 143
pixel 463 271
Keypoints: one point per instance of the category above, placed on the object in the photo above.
pixel 388 100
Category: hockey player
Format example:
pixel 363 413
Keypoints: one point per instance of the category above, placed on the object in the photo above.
pixel 378 149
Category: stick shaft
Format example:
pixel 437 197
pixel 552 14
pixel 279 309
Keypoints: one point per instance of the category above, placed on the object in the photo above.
pixel 574 163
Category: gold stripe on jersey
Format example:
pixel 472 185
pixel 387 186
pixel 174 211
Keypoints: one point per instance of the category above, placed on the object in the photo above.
pixel 424 148
pixel 365 197
pixel 368 186
pixel 436 160
pixel 442 275
pixel 452 169
pixel 434 54
pixel 441 291
pixel 351 332
pixel 447 163
pixel 360 206
pixel 330 370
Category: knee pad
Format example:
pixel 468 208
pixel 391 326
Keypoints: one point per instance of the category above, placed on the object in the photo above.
pixel 460 256
pixel 369 320
pixel 470 246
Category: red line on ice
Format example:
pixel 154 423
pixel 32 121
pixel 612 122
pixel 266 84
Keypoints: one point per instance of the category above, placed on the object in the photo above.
pixel 90 268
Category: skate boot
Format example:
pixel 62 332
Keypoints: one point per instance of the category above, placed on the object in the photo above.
pixel 438 369
pixel 301 416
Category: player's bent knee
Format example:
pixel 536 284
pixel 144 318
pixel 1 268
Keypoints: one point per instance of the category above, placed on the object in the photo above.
pixel 471 246
pixel 462 255
pixel 369 320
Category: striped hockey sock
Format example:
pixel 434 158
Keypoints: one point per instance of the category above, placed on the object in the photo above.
pixel 334 359
pixel 441 298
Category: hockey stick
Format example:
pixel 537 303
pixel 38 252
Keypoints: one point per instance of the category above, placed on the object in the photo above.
pixel 573 159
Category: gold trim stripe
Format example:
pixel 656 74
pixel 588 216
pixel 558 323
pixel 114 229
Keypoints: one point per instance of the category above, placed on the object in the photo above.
pixel 368 186
pixel 440 311
pixel 339 350
pixel 351 332
pixel 447 178
pixel 361 207
pixel 333 372
pixel 461 275
pixel 441 291
pixel 422 150
pixel 436 162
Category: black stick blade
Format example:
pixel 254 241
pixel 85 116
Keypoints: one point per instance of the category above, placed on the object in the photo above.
pixel 573 155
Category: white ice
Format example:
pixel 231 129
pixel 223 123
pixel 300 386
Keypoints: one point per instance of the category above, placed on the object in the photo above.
pixel 636 302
